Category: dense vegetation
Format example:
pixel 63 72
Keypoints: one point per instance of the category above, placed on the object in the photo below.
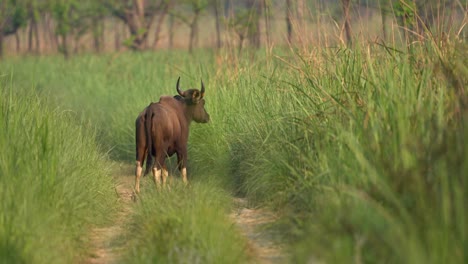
pixel 361 151
pixel 184 225
pixel 55 181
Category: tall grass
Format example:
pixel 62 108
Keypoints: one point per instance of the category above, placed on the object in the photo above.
pixel 184 225
pixel 110 90
pixel 54 180
pixel 364 151
pixel 361 151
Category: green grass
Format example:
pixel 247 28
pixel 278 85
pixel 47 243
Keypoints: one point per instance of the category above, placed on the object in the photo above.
pixel 367 159
pixel 184 225
pixel 54 181
pixel 361 151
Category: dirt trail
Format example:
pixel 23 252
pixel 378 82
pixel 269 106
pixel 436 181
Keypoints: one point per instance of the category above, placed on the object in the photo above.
pixel 107 249
pixel 252 222
pixel 103 239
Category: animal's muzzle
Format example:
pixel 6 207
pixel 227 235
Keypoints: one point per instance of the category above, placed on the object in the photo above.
pixel 207 119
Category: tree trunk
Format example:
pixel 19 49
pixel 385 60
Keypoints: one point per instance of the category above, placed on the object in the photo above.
pixel 117 38
pixel 256 35
pixel 218 26
pixel 53 37
pixel 227 8
pixel 76 42
pixel 135 19
pixel 1 42
pixel 30 36
pixel 194 30
pixel 289 27
pixel 266 14
pixel 300 23
pixel 97 43
pixel 383 14
pixel 33 30
pixel 139 12
pixel 103 35
pixel 254 29
pixel 17 39
pixel 96 35
pixel 64 46
pixel 37 47
pixel 171 31
pixel 159 24
pixel 347 26
pixel 241 43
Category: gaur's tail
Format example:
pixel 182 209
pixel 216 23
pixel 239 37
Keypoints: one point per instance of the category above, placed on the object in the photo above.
pixel 149 163
pixel 149 141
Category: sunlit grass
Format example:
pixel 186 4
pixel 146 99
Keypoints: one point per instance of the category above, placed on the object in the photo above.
pixel 184 224
pixel 54 180
pixel 361 151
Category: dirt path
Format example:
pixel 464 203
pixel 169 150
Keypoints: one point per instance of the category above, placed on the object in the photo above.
pixel 106 248
pixel 252 223
pixel 103 239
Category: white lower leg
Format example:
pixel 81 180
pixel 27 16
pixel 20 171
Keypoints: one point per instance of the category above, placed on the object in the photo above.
pixel 157 176
pixel 137 176
pixel 164 175
pixel 184 175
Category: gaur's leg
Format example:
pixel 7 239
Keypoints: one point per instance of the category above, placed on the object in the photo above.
pixel 159 164
pixel 157 176
pixel 182 161
pixel 140 159
pixel 141 149
pixel 137 176
pixel 165 174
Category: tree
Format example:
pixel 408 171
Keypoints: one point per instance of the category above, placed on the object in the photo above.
pixel 300 19
pixel 12 17
pixel 216 8
pixel 405 14
pixel 34 10
pixel 94 15
pixel 237 23
pixel 74 19
pixel 197 7
pixel 295 21
pixel 384 9
pixel 255 10
pixel 347 25
pixel 63 14
pixel 266 13
pixel 164 9
pixel 289 19
pixel 171 25
pixel 138 15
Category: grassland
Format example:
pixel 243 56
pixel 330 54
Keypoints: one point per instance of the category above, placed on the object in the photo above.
pixel 54 179
pixel 361 151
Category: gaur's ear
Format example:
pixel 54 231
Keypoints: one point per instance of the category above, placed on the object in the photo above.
pixel 195 95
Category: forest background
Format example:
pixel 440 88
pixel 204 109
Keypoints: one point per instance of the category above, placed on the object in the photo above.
pixel 72 27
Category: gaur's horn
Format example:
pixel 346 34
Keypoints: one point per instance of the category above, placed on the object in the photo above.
pixel 202 90
pixel 178 89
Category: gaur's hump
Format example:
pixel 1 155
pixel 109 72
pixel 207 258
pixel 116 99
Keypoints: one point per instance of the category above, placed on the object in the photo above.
pixel 167 100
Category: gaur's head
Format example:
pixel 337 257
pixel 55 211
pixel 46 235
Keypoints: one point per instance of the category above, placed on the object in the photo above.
pixel 193 98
